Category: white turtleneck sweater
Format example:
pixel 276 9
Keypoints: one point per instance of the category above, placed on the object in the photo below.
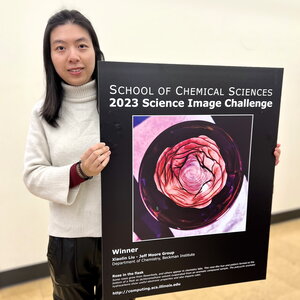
pixel 50 153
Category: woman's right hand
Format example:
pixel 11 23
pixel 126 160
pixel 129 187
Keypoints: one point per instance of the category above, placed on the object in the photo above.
pixel 95 159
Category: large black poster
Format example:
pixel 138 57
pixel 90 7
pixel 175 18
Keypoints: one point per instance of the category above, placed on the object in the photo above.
pixel 187 194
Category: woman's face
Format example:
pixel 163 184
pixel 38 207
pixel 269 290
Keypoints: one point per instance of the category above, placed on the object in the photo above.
pixel 72 53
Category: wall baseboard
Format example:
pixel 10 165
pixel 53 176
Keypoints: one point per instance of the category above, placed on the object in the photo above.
pixel 41 270
pixel 285 216
pixel 24 274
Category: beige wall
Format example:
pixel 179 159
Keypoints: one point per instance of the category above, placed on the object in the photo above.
pixel 244 33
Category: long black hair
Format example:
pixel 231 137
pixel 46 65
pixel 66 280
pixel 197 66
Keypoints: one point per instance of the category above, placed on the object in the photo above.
pixel 54 91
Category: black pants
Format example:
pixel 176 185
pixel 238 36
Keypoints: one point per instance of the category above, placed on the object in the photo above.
pixel 75 268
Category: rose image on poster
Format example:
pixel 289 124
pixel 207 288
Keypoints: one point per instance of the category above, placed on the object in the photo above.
pixel 192 172
pixel 189 174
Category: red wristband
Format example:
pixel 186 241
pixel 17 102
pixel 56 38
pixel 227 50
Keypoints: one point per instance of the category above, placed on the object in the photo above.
pixel 75 179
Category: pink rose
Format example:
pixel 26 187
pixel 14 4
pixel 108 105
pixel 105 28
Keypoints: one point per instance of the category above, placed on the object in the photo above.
pixel 192 172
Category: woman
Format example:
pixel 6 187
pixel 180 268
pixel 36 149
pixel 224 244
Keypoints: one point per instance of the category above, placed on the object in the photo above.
pixel 64 157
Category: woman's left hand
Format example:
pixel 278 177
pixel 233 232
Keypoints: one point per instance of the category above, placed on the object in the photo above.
pixel 277 152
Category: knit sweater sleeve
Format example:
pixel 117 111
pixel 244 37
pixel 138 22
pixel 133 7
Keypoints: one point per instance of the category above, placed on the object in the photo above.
pixel 41 177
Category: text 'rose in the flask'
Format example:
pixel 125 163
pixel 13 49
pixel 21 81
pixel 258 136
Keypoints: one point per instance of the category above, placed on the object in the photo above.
pixel 192 172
